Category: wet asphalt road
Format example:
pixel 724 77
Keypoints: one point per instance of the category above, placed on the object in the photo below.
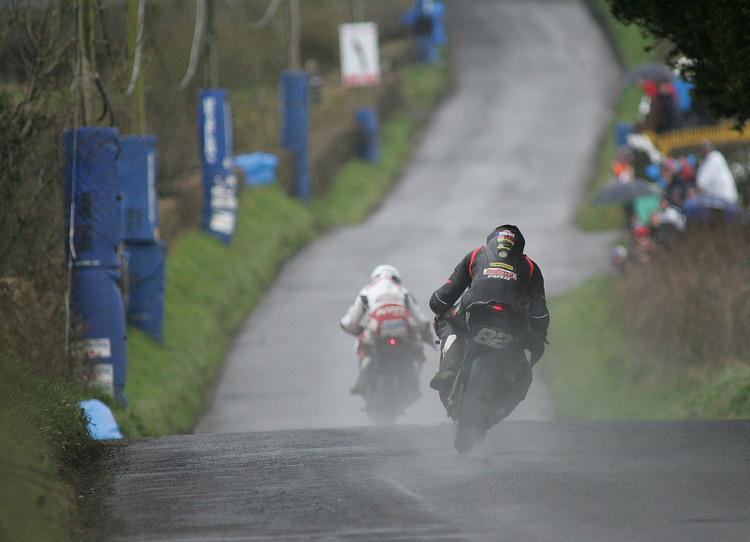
pixel 286 453
pixel 549 481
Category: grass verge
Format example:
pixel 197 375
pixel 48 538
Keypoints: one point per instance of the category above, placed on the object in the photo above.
pixel 43 442
pixel 595 371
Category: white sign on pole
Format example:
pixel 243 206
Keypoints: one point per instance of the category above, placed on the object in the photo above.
pixel 360 55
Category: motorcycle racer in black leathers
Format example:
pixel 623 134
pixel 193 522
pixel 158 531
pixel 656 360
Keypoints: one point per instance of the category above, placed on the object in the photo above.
pixel 498 271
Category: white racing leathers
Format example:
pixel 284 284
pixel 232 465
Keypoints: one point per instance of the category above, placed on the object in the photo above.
pixel 379 310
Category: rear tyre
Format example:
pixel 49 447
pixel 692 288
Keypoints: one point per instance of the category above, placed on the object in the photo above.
pixel 380 405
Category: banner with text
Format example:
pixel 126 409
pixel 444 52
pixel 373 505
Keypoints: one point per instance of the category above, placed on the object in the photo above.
pixel 219 212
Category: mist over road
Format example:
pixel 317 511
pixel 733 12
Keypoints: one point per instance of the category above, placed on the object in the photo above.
pixel 514 144
pixel 285 451
pixel 553 481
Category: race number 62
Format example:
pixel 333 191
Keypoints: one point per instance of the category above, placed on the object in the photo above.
pixel 492 338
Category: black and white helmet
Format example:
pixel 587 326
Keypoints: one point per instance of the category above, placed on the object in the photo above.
pixel 386 271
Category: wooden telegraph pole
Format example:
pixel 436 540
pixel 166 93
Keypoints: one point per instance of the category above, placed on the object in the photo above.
pixel 87 55
pixel 135 90
pixel 213 68
pixel 358 10
pixel 294 35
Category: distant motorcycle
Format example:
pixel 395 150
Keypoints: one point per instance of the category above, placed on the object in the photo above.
pixel 391 378
pixel 493 376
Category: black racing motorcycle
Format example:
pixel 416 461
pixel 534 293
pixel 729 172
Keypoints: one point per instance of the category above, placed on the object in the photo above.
pixel 392 378
pixel 494 374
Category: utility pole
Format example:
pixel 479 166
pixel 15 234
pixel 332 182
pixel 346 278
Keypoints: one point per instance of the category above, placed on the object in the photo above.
pixel 294 35
pixel 358 10
pixel 358 15
pixel 213 70
pixel 137 98
pixel 87 57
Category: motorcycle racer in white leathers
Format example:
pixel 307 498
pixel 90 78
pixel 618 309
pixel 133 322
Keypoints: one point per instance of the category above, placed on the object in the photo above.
pixel 385 307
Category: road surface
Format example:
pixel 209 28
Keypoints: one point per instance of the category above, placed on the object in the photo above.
pixel 551 481
pixel 285 452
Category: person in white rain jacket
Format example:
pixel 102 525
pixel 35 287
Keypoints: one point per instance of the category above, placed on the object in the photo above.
pixel 713 177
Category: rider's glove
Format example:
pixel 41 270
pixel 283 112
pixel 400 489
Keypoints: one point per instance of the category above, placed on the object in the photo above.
pixel 442 326
pixel 436 322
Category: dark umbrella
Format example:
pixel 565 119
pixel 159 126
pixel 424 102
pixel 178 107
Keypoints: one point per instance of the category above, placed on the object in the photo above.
pixel 617 191
pixel 650 71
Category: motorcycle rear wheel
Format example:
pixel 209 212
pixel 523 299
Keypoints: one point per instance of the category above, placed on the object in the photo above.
pixel 380 404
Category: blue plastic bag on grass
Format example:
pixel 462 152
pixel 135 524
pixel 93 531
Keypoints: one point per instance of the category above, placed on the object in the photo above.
pixel 258 167
pixel 102 424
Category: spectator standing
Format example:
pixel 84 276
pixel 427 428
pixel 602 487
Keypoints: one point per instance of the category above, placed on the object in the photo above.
pixel 622 167
pixel 713 177
pixel 622 164
pixel 675 186
pixel 687 168
pixel 666 104
pixel 684 102
pixel 314 82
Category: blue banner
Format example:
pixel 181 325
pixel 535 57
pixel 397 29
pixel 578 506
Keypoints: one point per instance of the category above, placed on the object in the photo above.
pixel 145 306
pixel 368 134
pixel 219 211
pixel 140 209
pixel 294 110
pixel 294 126
pixel 93 194
pixel 98 321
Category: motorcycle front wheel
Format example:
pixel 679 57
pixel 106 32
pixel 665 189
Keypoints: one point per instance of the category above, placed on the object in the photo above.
pixel 474 416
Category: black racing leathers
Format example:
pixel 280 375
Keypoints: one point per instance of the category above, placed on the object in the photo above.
pixel 484 275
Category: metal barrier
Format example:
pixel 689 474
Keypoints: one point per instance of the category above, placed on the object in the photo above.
pixel 719 134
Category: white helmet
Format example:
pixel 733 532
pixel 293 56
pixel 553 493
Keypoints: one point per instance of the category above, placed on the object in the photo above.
pixel 386 271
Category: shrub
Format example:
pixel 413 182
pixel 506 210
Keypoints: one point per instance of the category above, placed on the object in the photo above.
pixel 691 304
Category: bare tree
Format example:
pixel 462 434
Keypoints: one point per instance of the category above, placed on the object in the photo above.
pixel 36 59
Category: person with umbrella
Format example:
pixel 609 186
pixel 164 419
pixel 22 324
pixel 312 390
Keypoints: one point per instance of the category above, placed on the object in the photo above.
pixel 656 81
pixel 625 188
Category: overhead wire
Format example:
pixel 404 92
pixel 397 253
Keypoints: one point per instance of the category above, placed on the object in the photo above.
pixel 267 16
pixel 200 10
pixel 138 47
